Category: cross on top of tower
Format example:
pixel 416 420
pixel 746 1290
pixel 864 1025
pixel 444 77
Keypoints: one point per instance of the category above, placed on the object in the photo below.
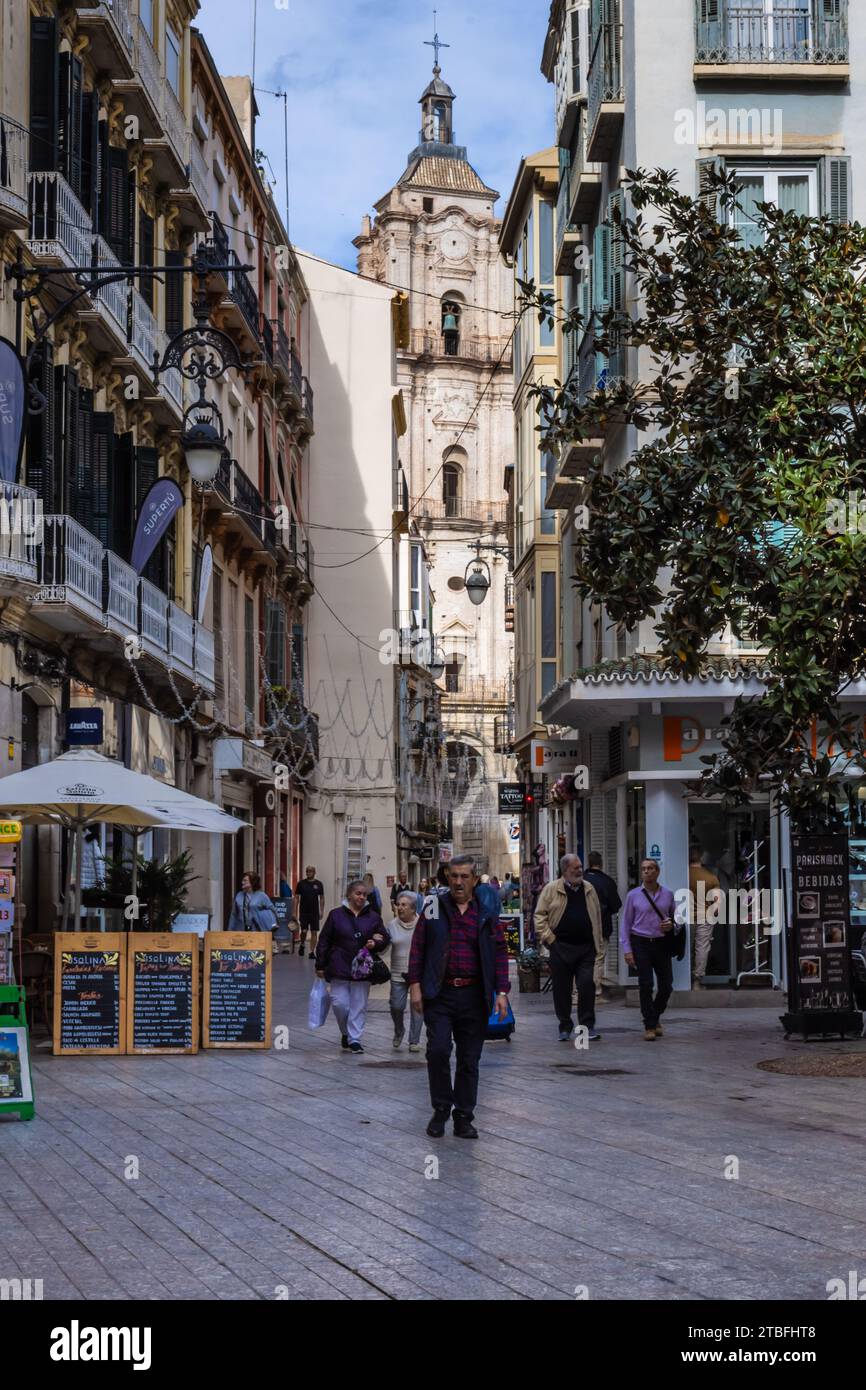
pixel 436 43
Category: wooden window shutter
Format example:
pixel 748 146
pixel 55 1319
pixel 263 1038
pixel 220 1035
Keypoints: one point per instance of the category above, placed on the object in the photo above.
pixel 708 195
pixel 115 220
pixel 836 182
pixel 41 472
pixel 124 505
pixel 175 295
pixel 145 255
pixel 44 93
pixel 80 483
pixel 65 435
pixel 70 127
pixel 101 521
pixel 616 293
pixel 90 160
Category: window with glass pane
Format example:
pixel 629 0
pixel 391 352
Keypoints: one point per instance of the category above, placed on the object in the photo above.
pixel 575 52
pixel 549 632
pixel 416 581
pixel 145 14
pixel 249 658
pixel 546 251
pixel 792 190
pixel 172 59
pixel 548 477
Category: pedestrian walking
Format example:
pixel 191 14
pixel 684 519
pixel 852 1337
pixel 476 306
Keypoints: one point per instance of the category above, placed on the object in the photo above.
pixel 350 930
pixel 400 885
pixel 611 902
pixel 568 921
pixel 253 909
pixel 401 931
pixel 310 897
pixel 650 938
pixel 699 874
pixel 374 897
pixel 458 966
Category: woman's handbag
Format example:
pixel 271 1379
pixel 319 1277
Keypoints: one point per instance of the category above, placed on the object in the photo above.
pixel 380 974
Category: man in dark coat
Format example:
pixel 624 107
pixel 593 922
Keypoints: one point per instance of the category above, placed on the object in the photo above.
pixel 458 966
pixel 611 902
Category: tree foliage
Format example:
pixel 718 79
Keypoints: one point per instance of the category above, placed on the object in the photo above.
pixel 750 408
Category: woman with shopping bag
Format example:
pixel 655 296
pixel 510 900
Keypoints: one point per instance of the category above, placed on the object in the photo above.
pixel 352 936
pixel 253 909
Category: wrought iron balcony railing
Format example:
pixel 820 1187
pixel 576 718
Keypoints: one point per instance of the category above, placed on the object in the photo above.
pixel 60 227
pixel 767 31
pixel 13 167
pixel 243 294
pixel 456 509
pixel 308 400
pixel 220 241
pixel 605 69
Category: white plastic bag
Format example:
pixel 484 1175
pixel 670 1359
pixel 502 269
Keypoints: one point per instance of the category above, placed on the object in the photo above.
pixel 320 1004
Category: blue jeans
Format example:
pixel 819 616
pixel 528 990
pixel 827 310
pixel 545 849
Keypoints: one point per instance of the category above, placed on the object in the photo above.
pixel 398 1001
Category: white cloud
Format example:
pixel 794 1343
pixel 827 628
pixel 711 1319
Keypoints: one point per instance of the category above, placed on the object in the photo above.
pixel 354 71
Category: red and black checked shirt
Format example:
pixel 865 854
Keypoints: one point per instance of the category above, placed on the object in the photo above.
pixel 464 962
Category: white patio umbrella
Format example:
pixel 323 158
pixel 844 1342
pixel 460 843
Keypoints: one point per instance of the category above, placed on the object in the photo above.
pixel 83 788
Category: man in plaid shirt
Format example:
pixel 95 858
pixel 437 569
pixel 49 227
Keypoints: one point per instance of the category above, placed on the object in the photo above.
pixel 458 963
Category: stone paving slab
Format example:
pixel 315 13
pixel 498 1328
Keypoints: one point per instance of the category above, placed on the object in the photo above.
pixel 307 1174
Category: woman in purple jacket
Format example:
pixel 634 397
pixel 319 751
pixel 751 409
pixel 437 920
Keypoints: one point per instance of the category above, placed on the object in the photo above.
pixel 347 930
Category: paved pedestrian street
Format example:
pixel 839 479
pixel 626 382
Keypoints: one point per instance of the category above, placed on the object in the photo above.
pixel 306 1174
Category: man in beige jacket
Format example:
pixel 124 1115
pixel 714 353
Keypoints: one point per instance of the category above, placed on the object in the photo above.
pixel 568 922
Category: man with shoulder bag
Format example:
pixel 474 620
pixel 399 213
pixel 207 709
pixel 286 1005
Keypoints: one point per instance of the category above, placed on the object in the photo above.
pixel 651 939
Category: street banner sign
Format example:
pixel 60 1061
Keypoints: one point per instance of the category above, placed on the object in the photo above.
pixel 11 832
pixel 13 410
pixel 155 515
pixel 162 1015
pixel 512 798
pixel 90 992
pixel 237 989
pixel 204 579
pixel 820 999
pixel 84 727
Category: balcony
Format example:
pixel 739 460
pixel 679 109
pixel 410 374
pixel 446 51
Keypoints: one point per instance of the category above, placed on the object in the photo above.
pixel 493 515
pixel 172 380
pixel 20 537
pixel 193 196
pixel 772 40
pixel 143 331
pixel 564 492
pixel 478 690
pixel 60 231
pixel 143 88
pixel 568 237
pixel 89 592
pixel 236 506
pixel 606 106
pixel 242 303
pixel 466 349
pixel 304 421
pixel 14 143
pixel 111 41
pixel 110 302
pixel 585 181
pixel 293 551
pixel 267 337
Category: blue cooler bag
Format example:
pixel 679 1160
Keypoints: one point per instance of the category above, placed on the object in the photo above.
pixel 499 1029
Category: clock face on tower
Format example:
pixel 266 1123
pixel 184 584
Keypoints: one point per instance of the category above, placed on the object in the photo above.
pixel 455 245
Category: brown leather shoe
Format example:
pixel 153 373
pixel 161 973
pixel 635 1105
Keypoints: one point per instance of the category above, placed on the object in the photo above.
pixel 649 1035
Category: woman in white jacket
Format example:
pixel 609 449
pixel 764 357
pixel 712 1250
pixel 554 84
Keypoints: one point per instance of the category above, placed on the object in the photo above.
pixel 401 932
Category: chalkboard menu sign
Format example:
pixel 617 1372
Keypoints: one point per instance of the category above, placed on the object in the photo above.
pixel 237 989
pixel 162 993
pixel 89 992
pixel 821 961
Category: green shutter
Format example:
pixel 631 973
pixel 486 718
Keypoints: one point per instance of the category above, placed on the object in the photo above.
pixel 710 196
pixel 601 269
pixel 836 188
pixel 616 273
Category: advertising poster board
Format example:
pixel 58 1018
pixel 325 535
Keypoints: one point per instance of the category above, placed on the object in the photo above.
pixel 820 995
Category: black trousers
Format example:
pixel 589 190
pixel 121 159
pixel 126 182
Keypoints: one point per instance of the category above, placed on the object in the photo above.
pixel 567 964
pixel 652 954
pixel 455 1017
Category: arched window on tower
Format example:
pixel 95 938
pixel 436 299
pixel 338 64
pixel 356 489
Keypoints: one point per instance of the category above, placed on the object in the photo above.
pixel 451 327
pixel 451 489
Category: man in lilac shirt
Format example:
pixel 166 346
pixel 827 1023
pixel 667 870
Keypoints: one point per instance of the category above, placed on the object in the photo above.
pixel 645 936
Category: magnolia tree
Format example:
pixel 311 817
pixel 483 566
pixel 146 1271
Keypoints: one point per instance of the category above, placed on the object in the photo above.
pixel 746 493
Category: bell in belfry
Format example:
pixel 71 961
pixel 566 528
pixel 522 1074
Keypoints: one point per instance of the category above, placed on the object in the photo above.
pixel 449 322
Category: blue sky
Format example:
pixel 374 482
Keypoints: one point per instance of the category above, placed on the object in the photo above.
pixel 354 71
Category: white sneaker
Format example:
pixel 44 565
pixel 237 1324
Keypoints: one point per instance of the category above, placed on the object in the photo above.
pixel 414 1047
pixel 398 1041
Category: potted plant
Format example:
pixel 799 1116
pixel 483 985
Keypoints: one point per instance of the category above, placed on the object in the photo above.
pixel 529 971
pixel 161 890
